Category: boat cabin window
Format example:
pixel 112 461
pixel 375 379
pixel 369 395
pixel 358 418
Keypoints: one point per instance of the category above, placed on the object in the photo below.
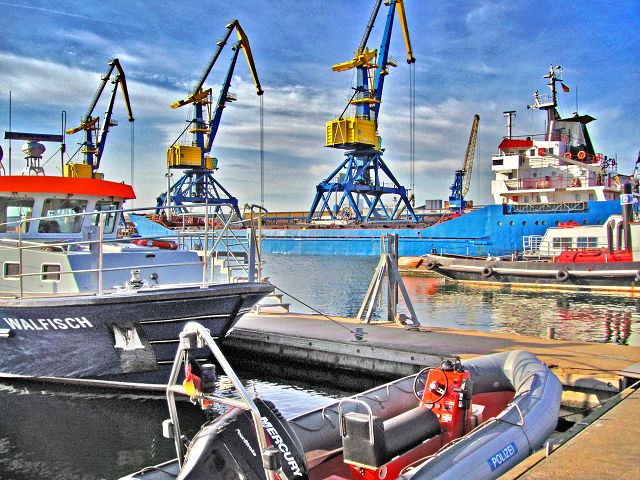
pixel 11 270
pixel 50 272
pixel 587 242
pixel 67 212
pixel 110 217
pixel 562 242
pixel 12 210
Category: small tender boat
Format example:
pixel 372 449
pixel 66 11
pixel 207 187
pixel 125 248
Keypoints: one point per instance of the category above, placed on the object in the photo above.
pixel 472 420
pixel 567 257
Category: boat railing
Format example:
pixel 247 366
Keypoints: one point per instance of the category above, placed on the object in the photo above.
pixel 222 237
pixel 195 336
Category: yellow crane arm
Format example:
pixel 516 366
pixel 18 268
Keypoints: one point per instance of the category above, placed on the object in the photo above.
pixel 359 60
pixel 471 151
pixel 123 87
pixel 83 126
pixel 242 37
pixel 402 16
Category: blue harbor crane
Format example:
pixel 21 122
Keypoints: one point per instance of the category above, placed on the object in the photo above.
pixel 198 185
pixel 93 148
pixel 462 178
pixel 359 179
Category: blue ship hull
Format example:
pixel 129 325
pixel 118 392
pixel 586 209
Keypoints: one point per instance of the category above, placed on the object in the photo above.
pixel 489 230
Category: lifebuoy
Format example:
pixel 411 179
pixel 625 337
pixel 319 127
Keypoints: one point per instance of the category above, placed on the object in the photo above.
pixel 562 275
pixel 486 272
pixel 582 155
pixel 567 155
pixel 541 152
pixel 431 265
pixel 599 157
pixel 162 244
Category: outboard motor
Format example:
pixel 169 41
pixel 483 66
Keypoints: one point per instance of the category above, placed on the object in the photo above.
pixel 227 448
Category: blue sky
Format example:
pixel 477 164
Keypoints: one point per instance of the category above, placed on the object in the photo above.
pixel 472 57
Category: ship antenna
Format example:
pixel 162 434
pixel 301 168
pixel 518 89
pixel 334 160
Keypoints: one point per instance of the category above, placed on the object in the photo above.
pixel 509 115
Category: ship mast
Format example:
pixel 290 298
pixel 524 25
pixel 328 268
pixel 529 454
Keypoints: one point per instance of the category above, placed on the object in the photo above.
pixel 543 102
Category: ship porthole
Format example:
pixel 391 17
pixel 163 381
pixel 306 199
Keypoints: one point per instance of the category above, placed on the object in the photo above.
pixel 512 223
pixel 537 222
pixel 544 222
pixel 524 222
pixel 499 223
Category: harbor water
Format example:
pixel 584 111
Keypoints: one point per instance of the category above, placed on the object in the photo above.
pixel 63 433
pixel 336 285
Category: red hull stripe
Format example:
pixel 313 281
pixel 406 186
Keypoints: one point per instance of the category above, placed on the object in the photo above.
pixel 74 186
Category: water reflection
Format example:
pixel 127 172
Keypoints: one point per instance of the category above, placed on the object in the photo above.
pixel 337 285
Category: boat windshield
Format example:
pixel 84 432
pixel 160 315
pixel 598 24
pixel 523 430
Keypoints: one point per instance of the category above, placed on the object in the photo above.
pixel 12 211
pixel 110 215
pixel 67 212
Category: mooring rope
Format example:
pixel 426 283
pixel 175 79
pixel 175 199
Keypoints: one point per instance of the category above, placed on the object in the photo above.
pixel 315 310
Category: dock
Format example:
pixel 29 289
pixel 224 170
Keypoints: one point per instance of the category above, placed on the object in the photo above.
pixel 603 445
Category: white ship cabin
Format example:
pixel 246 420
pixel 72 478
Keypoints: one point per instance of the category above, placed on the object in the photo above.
pixel 534 170
pixel 609 236
pixel 42 208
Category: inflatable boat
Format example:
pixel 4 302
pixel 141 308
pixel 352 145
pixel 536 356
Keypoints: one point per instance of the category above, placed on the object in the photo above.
pixel 474 420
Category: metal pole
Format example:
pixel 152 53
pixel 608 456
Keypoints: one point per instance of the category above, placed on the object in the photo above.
pixel 627 211
pixel 20 252
pixel 100 251
pixel 206 245
pixel 10 139
pixel 392 288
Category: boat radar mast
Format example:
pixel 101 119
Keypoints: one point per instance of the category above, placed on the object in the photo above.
pixel 550 103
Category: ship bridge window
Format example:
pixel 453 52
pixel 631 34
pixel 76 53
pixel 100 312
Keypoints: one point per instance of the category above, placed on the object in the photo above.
pixel 66 215
pixel 11 270
pixel 50 272
pixel 587 242
pixel 110 214
pixel 12 211
pixel 562 243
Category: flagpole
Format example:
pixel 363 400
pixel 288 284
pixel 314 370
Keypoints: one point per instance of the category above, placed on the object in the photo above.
pixel 576 98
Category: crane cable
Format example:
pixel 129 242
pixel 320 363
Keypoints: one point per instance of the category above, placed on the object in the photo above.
pixel 412 126
pixel 262 151
pixel 132 154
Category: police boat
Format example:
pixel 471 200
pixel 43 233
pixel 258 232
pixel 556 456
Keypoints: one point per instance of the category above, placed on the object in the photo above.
pixel 474 420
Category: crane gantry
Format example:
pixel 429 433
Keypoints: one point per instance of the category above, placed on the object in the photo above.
pixel 359 176
pixel 462 178
pixel 198 185
pixel 93 148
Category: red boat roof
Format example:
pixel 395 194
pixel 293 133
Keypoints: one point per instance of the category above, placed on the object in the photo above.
pixel 65 185
pixel 515 143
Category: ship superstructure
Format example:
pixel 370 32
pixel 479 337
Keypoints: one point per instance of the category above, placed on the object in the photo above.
pixel 560 166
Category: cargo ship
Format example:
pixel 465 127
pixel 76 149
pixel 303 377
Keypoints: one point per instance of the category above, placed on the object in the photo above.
pixel 541 181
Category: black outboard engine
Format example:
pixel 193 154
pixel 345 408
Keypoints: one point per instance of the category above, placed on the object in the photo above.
pixel 227 448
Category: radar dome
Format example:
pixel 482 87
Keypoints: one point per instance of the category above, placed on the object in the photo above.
pixel 33 149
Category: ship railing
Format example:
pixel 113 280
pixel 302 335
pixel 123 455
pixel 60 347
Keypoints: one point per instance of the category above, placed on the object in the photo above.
pixel 559 182
pixel 20 239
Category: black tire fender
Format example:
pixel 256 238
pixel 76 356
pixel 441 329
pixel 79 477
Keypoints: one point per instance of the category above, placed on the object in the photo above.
pixel 431 265
pixel 562 275
pixel 487 272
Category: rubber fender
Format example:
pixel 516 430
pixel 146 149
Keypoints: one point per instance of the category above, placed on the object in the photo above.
pixel 486 272
pixel 562 275
pixel 431 265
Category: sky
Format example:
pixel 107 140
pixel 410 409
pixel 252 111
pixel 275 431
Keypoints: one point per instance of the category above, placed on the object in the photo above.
pixel 472 56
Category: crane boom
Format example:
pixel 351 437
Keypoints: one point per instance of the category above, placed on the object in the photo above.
pixel 93 152
pixel 470 155
pixel 462 178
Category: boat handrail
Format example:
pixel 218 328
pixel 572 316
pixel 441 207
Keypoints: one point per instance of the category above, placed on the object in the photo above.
pixel 194 335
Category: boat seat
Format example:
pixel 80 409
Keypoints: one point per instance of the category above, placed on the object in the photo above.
pixel 390 437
